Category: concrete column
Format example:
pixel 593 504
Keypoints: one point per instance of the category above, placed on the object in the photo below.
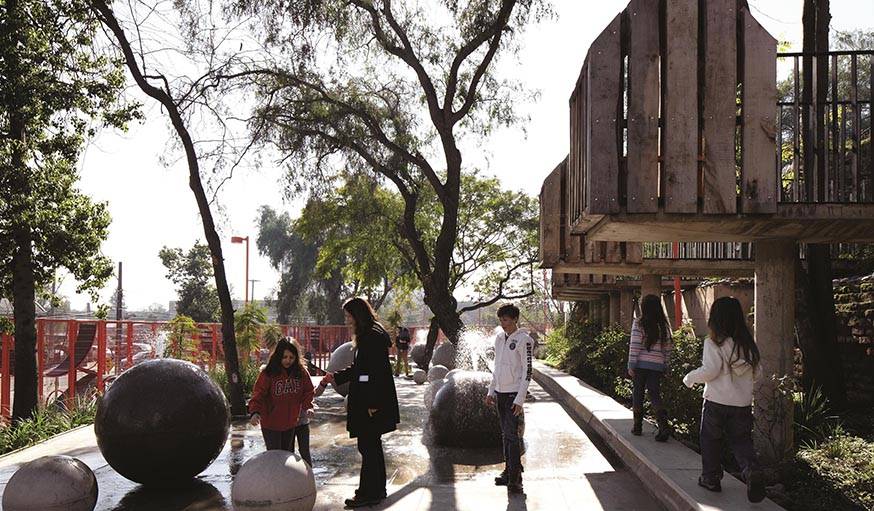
pixel 651 285
pixel 626 308
pixel 774 331
pixel 615 308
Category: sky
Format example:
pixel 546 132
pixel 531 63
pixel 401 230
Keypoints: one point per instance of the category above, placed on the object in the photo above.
pixel 152 206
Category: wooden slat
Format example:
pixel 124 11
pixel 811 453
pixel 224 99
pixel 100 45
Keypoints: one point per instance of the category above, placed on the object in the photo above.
pixel 589 251
pixel 550 219
pixel 681 107
pixel 758 183
pixel 573 254
pixel 857 128
pixel 720 78
pixel 614 252
pixel 602 108
pixel 633 252
pixel 643 107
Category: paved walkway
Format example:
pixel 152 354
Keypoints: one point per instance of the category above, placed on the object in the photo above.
pixel 563 468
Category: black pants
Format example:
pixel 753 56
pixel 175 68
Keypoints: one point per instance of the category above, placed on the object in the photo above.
pixel 723 424
pixel 372 479
pixel 278 439
pixel 302 434
pixel 511 431
pixel 650 380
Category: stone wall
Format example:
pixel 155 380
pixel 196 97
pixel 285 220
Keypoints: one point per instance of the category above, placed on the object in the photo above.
pixel 854 304
pixel 697 301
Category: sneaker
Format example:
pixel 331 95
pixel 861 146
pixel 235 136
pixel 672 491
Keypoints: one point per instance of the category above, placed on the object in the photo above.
pixel 717 486
pixel 362 501
pixel 515 489
pixel 502 479
pixel 755 486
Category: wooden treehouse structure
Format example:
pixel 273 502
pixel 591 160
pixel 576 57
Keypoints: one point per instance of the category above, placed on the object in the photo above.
pixel 679 133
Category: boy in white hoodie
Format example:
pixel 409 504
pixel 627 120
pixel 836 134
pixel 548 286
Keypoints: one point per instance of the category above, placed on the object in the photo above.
pixel 728 370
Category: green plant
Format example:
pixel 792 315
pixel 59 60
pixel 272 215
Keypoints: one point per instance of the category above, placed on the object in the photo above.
pixel 813 419
pixel 683 404
pixel 180 339
pixel 271 334
pixel 836 473
pixel 248 376
pixel 248 325
pixel 47 421
pixel 7 326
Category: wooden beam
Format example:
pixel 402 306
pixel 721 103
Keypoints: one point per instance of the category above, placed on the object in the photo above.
pixel 698 268
pixel 550 219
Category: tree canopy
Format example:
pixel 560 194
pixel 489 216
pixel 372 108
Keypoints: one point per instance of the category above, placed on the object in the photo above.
pixel 192 273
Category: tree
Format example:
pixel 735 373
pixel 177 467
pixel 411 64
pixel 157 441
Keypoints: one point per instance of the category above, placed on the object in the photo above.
pixel 57 86
pixel 193 275
pixel 178 102
pixel 388 87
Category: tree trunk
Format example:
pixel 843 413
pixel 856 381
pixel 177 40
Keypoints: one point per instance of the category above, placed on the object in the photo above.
pixel 232 366
pixel 822 315
pixel 431 340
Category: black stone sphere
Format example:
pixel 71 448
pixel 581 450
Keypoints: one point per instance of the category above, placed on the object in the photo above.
pixel 162 422
pixel 459 418
pixel 417 355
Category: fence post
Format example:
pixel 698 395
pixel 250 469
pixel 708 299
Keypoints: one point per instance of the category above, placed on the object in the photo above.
pixel 5 394
pixel 154 336
pixel 101 355
pixel 72 332
pixel 130 344
pixel 40 357
pixel 214 332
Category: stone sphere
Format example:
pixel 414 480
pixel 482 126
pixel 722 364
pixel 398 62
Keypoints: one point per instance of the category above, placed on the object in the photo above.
pixel 274 480
pixel 437 373
pixel 420 376
pixel 51 483
pixel 341 358
pixel 431 391
pixel 458 416
pixel 417 355
pixel 162 422
pixel 444 355
pixel 451 374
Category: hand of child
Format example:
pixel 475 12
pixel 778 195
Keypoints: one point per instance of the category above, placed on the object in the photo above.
pixel 311 413
pixel 517 410
pixel 255 420
pixel 688 381
pixel 328 378
pixel 631 373
pixel 490 401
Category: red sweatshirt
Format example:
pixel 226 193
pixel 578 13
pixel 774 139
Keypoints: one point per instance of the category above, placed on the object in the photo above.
pixel 279 399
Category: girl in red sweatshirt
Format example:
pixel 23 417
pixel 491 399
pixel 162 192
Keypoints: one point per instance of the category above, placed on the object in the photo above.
pixel 283 389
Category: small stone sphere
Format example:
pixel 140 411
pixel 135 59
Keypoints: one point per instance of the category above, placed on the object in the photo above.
pixel 444 355
pixel 437 373
pixel 431 391
pixel 420 376
pixel 162 422
pixel 51 483
pixel 274 480
pixel 459 418
pixel 417 355
pixel 341 358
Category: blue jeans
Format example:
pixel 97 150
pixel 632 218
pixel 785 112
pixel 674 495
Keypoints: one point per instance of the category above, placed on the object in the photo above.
pixel 724 424
pixel 511 431
pixel 647 379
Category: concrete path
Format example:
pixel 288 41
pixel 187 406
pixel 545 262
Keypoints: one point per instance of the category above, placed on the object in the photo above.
pixel 564 470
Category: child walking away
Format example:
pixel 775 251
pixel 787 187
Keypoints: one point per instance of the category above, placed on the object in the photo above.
pixel 283 388
pixel 649 353
pixel 729 366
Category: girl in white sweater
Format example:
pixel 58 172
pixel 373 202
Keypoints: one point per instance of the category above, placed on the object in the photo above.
pixel 729 366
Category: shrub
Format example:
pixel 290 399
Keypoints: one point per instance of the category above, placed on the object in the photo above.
pixel 47 422
pixel 248 376
pixel 835 474
pixel 180 340
pixel 683 404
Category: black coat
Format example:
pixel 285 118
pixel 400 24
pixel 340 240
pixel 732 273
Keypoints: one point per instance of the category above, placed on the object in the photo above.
pixel 371 385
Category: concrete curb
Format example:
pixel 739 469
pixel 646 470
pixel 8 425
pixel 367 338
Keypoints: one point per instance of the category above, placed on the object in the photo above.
pixel 53 437
pixel 669 471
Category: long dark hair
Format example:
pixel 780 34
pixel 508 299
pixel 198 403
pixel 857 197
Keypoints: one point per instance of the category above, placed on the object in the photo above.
pixel 652 319
pixel 727 320
pixel 363 313
pixel 274 364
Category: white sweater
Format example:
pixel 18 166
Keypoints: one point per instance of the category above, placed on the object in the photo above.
pixel 723 383
pixel 513 354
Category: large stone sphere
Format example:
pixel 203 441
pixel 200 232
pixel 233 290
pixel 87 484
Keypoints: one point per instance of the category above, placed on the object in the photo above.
pixel 458 416
pixel 162 422
pixel 437 373
pixel 417 355
pixel 341 358
pixel 451 374
pixel 431 391
pixel 420 376
pixel 444 355
pixel 51 483
pixel 274 480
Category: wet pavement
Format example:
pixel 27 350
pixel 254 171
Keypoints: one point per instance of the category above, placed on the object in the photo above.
pixel 563 468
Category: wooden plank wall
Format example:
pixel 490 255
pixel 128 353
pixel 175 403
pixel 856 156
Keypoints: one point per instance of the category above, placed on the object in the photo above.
pixel 550 219
pixel 758 113
pixel 643 107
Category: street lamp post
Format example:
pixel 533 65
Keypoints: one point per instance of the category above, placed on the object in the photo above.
pixel 241 239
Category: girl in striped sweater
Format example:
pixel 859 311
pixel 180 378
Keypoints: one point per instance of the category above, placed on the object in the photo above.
pixel 648 356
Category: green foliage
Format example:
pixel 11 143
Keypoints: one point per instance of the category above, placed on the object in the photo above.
pixel 181 343
pixel 7 326
pixel 683 403
pixel 271 334
pixel 192 273
pixel 46 422
pixel 248 376
pixel 249 323
pixel 813 420
pixel 836 473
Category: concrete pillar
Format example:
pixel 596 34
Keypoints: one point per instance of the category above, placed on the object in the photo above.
pixel 651 285
pixel 626 308
pixel 774 331
pixel 615 308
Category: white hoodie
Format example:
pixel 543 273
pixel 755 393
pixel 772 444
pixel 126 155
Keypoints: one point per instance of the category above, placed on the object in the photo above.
pixel 513 354
pixel 723 383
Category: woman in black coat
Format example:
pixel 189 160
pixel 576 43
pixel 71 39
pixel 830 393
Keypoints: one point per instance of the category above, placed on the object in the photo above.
pixel 372 402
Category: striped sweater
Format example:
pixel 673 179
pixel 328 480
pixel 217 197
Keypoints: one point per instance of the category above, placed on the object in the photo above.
pixel 656 358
